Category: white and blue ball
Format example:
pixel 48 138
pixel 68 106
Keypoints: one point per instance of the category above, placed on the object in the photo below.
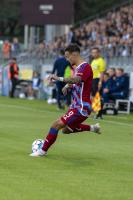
pixel 37 145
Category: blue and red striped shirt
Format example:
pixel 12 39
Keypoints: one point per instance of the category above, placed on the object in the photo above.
pixel 81 91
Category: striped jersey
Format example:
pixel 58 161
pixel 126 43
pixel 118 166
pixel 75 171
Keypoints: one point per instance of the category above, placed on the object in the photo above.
pixel 81 91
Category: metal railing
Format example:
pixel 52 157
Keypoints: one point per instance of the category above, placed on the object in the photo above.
pixel 118 56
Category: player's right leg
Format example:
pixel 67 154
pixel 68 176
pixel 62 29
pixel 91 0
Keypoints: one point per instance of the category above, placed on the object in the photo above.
pixel 73 121
pixel 81 128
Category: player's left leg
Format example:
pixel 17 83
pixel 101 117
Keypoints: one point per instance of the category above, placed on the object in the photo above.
pixel 50 138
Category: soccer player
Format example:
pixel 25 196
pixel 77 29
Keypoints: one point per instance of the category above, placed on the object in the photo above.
pixel 80 109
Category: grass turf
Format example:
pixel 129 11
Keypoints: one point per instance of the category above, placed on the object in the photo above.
pixel 83 166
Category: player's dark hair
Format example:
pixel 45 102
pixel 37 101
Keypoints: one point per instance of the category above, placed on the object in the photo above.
pixel 73 48
pixel 96 48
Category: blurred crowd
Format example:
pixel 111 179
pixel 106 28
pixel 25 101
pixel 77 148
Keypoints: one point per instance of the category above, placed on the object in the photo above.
pixel 10 49
pixel 115 85
pixel 112 33
pixel 114 30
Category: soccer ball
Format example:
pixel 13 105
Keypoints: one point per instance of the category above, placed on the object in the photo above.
pixel 37 144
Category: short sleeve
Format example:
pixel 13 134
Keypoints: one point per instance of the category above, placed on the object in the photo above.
pixel 102 65
pixel 84 72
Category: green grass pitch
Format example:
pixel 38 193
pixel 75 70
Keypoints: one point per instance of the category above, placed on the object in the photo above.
pixel 79 166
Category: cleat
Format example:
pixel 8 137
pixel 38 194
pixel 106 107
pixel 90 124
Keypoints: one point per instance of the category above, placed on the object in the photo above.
pixel 38 153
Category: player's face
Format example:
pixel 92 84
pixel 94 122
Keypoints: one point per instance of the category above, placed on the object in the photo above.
pixel 71 57
pixel 95 53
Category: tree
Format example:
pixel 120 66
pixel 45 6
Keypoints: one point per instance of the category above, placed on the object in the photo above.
pixel 9 17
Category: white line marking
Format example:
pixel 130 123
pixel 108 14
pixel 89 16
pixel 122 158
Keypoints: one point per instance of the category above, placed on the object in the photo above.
pixel 118 123
pixel 24 108
pixel 48 111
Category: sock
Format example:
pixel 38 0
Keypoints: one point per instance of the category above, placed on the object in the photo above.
pixel 50 139
pixel 82 127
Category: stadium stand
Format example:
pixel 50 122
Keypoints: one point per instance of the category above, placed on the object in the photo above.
pixel 112 33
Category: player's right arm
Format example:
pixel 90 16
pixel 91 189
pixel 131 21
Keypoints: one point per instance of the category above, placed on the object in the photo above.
pixel 80 76
pixel 71 80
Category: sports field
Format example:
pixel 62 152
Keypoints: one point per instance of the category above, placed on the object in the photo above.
pixel 84 166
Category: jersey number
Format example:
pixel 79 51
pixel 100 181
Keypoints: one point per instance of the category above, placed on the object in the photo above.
pixel 68 115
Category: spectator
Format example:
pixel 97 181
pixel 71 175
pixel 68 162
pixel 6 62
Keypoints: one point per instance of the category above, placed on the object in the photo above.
pixel 112 77
pixel 13 75
pixel 6 50
pixel 15 47
pixel 33 88
pixel 70 36
pixel 41 51
pixel 36 81
pixel 120 89
pixel 106 84
pixel 76 37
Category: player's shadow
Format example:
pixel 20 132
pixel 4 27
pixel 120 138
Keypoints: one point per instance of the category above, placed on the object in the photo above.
pixel 76 160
